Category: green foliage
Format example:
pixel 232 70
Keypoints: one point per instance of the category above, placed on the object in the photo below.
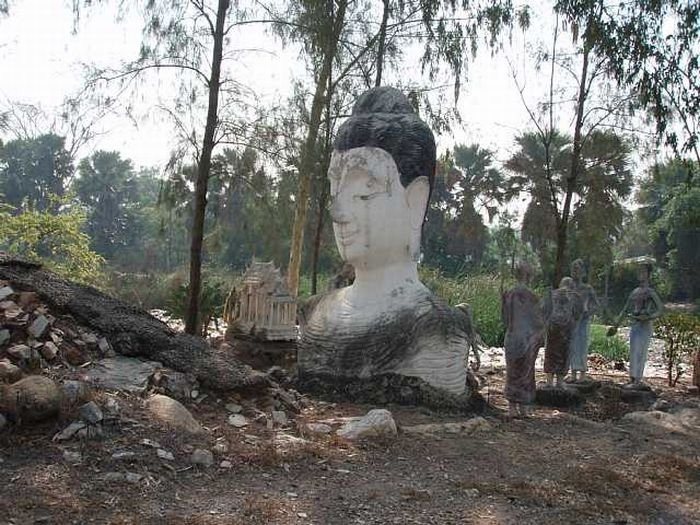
pixel 669 198
pixel 682 335
pixel 613 347
pixel 146 290
pixel 211 300
pixel 34 171
pixel 482 292
pixel 54 239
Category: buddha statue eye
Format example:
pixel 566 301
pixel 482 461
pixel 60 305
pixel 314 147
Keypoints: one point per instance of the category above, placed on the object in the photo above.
pixel 368 196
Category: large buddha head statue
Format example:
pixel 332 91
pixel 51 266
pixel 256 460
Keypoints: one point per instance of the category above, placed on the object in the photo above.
pixel 381 174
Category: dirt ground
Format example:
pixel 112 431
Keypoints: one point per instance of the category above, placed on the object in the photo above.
pixel 576 467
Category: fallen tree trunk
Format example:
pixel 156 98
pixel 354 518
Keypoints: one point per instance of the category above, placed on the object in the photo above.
pixel 130 330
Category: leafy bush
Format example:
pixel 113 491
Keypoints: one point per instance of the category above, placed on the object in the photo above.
pixel 211 303
pixel 482 292
pixel 145 290
pixel 613 347
pixel 682 335
pixel 55 240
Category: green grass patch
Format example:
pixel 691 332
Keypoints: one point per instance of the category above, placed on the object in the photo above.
pixel 614 348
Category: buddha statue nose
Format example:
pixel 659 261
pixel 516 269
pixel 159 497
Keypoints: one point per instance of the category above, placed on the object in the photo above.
pixel 339 211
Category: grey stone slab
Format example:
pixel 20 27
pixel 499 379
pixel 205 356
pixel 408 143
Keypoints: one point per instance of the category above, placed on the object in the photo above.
pixel 122 373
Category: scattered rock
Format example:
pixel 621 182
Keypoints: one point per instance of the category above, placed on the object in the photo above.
pixel 73 355
pixel 476 424
pixel 70 431
pixel 38 327
pixel 377 423
pixel 237 420
pixel 318 428
pixel 72 456
pixel 164 454
pixel 90 338
pixel 5 292
pixel 171 412
pixel 91 413
pixel 234 408
pixel 220 447
pixel 175 384
pixel 74 391
pixel 279 417
pixel 202 457
pixel 656 419
pixel 470 426
pixel 112 406
pixel 120 477
pixel 49 351
pixel 4 336
pixel 9 373
pixel 33 398
pixel 226 464
pixel 24 356
pixel 124 455
pixel 104 347
pixel 123 373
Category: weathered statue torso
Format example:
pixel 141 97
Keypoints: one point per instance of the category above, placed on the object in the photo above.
pixel 386 321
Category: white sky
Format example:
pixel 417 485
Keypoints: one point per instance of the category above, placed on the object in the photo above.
pixel 40 61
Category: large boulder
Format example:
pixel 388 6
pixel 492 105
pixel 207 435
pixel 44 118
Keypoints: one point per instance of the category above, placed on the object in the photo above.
pixel 173 414
pixel 33 398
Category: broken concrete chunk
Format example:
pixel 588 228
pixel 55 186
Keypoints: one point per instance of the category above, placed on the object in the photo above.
pixel 91 413
pixel 202 457
pixel 279 417
pixel 38 327
pixel 70 431
pixel 5 292
pixel 4 336
pixel 49 351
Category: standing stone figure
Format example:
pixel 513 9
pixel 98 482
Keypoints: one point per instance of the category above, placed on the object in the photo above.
pixel 522 317
pixel 386 322
pixel 580 340
pixel 643 306
pixel 562 311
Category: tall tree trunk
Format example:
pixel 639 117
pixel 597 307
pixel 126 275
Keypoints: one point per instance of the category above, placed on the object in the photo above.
pixel 317 237
pixel 563 226
pixel 306 164
pixel 381 46
pixel 192 320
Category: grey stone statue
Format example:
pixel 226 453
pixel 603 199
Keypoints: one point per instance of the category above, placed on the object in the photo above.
pixel 580 340
pixel 385 322
pixel 523 319
pixel 643 306
pixel 562 310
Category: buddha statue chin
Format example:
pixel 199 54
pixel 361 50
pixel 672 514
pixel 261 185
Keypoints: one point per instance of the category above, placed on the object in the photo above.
pixel 387 321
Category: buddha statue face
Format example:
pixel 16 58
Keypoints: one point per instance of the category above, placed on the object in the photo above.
pixel 376 221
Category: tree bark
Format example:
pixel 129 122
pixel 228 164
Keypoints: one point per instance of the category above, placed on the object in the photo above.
pixel 130 330
pixel 192 318
pixel 317 237
pixel 563 226
pixel 306 163
pixel 381 46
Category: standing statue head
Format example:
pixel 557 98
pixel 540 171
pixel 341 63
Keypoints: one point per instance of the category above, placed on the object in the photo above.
pixel 578 270
pixel 644 274
pixel 568 283
pixel 524 273
pixel 381 175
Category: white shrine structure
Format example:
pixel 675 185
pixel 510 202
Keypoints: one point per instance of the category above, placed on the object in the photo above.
pixel 262 308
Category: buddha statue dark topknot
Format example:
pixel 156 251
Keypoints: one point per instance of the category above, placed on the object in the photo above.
pixel 387 322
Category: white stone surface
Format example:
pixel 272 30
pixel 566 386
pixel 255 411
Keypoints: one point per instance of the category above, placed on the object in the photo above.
pixel 377 423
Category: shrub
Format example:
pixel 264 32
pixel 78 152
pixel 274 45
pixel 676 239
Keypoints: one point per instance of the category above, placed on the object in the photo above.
pixel 211 303
pixel 613 347
pixel 682 335
pixel 55 240
pixel 482 292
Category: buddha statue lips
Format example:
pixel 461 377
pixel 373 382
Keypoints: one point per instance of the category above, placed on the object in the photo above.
pixel 387 321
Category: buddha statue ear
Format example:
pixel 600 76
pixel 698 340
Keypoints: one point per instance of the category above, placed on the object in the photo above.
pixel 417 193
